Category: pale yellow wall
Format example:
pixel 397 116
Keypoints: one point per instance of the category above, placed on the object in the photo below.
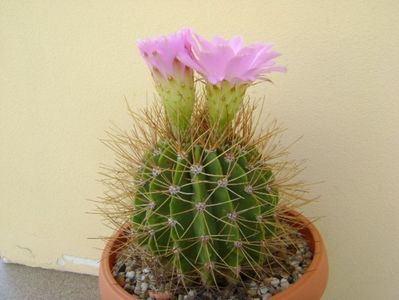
pixel 65 67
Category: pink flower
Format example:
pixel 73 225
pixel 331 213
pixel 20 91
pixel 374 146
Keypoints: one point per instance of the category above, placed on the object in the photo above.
pixel 174 81
pixel 161 55
pixel 229 60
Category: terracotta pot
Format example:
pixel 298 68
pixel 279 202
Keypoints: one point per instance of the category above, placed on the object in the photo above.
pixel 310 287
pixel 312 284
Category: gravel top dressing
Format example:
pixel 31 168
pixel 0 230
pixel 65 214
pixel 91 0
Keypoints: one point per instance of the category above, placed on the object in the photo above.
pixel 139 280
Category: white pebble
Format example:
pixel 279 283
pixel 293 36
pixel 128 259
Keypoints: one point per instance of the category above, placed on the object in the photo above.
pixel 284 283
pixel 190 295
pixel 308 254
pixel 266 296
pixel 144 286
pixel 263 290
pixel 274 282
pixel 253 284
pixel 294 263
pixel 130 274
pixel 299 269
pixel 137 290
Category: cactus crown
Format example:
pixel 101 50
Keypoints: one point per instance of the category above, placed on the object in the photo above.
pixel 201 188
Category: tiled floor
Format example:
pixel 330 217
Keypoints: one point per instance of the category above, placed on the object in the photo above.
pixel 24 283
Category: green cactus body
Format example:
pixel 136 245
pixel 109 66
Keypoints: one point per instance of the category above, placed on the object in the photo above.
pixel 205 211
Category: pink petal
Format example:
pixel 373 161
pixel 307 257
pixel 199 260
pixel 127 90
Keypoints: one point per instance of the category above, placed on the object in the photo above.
pixel 214 64
pixel 238 66
pixel 188 60
pixel 236 43
pixel 160 53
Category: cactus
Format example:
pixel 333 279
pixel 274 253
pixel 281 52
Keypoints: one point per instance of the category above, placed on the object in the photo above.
pixel 198 184
pixel 208 209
